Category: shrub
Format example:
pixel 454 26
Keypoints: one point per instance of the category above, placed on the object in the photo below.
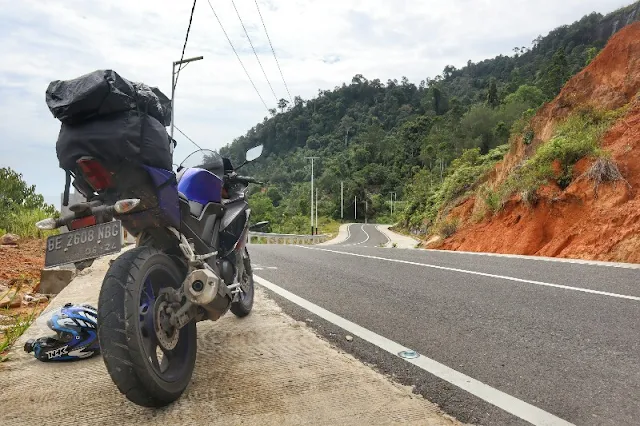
pixel 466 173
pixel 20 206
pixel 492 201
pixel 577 137
pixel 530 197
pixel 604 169
pixel 528 137
pixel 447 227
pixel 22 221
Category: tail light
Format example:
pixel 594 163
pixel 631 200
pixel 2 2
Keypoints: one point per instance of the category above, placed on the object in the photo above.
pixel 83 222
pixel 98 177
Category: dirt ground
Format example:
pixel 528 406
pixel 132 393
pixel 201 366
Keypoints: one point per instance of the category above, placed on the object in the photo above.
pixel 20 268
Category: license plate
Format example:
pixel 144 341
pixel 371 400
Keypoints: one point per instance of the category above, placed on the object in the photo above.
pixel 84 244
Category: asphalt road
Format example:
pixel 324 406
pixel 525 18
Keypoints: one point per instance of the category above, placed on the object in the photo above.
pixel 563 337
pixel 362 235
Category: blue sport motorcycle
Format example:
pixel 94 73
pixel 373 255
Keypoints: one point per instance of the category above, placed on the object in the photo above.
pixel 190 262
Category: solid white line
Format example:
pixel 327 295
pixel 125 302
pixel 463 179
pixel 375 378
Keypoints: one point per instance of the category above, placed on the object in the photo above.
pixel 365 233
pixel 491 395
pixel 545 259
pixel 484 274
pixel 348 233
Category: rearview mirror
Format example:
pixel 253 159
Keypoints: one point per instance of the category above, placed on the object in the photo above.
pixel 254 153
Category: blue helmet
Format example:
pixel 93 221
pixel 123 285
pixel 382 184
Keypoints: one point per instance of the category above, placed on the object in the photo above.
pixel 76 329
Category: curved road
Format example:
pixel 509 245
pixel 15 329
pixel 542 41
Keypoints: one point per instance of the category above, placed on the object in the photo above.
pixel 554 342
pixel 364 236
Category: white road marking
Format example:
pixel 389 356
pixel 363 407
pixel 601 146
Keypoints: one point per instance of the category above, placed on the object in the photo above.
pixel 484 274
pixel 260 267
pixel 545 259
pixel 365 233
pixel 491 395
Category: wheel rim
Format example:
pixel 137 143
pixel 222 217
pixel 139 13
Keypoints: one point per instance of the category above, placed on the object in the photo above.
pixel 169 364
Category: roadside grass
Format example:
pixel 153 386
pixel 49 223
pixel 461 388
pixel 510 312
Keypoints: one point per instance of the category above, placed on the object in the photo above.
pixel 328 226
pixel 12 330
pixel 13 324
pixel 576 138
pixel 22 222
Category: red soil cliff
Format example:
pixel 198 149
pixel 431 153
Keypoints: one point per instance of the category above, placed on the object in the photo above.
pixel 574 222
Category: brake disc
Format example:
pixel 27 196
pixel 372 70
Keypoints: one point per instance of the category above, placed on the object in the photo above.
pixel 166 334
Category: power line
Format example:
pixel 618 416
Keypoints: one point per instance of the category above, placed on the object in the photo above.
pixel 184 47
pixel 237 56
pixel 274 52
pixel 254 50
pixel 183 134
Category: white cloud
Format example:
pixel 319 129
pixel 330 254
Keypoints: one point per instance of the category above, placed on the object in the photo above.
pixel 320 44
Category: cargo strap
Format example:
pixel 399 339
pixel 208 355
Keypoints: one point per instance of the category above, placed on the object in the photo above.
pixel 67 186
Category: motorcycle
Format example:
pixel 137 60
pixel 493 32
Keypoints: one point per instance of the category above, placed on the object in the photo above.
pixel 190 262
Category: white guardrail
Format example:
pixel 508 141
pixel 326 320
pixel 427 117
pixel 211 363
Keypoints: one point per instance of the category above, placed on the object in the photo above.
pixel 268 238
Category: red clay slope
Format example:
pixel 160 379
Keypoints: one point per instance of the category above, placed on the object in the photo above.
pixel 574 223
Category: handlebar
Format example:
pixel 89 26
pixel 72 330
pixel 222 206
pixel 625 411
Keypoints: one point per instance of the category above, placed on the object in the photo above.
pixel 244 179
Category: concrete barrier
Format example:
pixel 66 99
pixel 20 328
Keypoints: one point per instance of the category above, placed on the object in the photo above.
pixel 270 238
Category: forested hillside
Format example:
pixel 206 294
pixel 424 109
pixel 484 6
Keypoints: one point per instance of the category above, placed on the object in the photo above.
pixel 427 142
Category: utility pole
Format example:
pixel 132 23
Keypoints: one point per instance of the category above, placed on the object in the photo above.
pixel 391 202
pixel 355 208
pixel 341 200
pixel 392 195
pixel 173 84
pixel 312 159
pixel 316 211
pixel 366 209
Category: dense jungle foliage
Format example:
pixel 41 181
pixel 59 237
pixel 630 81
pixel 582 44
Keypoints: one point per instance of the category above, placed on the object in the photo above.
pixel 429 143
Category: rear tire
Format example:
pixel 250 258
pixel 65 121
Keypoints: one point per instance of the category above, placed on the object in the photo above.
pixel 124 332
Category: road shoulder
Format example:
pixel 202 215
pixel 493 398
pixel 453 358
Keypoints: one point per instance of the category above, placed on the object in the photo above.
pixel 401 241
pixel 343 235
pixel 267 368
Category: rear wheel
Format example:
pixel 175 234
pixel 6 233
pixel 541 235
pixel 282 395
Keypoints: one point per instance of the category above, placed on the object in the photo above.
pixel 243 307
pixel 150 362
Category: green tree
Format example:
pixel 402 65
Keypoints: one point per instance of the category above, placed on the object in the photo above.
pixel 262 207
pixel 14 192
pixel 590 54
pixel 527 94
pixel 282 104
pixel 479 124
pixel 275 195
pixel 17 198
pixel 555 74
pixel 492 97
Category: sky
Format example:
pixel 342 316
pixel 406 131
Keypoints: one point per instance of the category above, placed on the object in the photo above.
pixel 319 44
